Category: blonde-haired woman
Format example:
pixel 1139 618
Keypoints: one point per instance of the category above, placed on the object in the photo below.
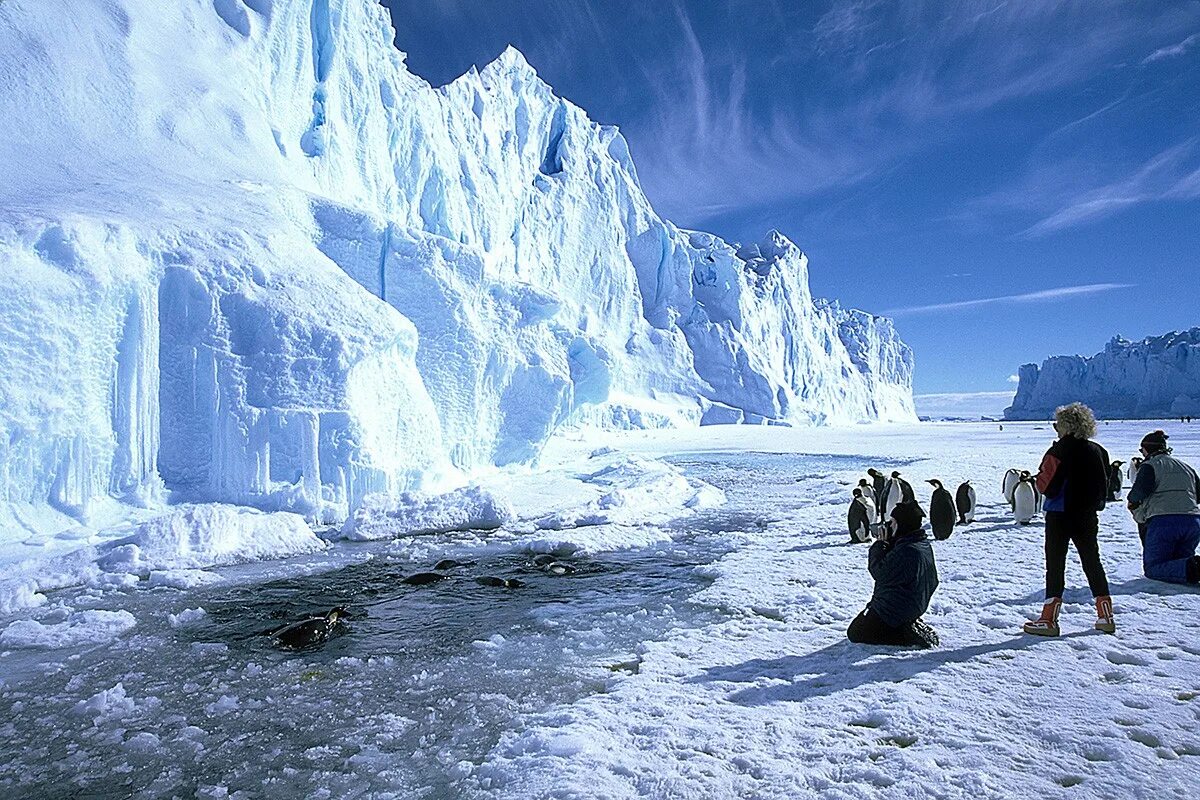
pixel 1074 480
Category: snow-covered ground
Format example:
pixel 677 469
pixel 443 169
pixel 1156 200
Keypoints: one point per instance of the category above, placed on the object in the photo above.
pixel 697 651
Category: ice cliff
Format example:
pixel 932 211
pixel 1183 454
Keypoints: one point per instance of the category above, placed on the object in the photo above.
pixel 247 257
pixel 1154 378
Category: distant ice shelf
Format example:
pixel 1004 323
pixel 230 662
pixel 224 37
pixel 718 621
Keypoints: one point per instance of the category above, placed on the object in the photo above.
pixel 1154 378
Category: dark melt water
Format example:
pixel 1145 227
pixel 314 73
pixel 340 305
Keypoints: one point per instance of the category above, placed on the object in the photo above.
pixel 413 695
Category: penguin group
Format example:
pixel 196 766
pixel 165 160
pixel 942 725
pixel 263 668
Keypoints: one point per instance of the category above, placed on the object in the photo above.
pixel 872 502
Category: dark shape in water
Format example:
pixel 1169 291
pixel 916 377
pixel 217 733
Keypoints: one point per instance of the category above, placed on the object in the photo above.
pixel 423 579
pixel 558 568
pixel 543 560
pixel 492 580
pixel 450 563
pixel 309 632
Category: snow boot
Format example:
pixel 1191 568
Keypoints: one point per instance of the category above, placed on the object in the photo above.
pixel 1104 615
pixel 1047 623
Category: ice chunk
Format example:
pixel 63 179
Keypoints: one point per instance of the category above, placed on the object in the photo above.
pixel 197 536
pixel 469 508
pixel 80 628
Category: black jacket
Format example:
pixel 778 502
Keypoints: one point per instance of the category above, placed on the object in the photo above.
pixel 905 576
pixel 1074 476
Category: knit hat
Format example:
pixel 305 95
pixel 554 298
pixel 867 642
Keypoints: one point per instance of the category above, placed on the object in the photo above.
pixel 1155 442
pixel 908 516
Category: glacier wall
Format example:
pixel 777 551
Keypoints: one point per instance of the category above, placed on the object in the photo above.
pixel 1154 378
pixel 247 257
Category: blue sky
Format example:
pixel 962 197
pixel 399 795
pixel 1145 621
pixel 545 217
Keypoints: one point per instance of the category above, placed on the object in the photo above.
pixel 1008 180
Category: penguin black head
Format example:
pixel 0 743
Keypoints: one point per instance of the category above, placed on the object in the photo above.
pixel 872 472
pixel 336 613
pixel 896 474
pixel 936 483
pixel 858 492
pixel 1117 463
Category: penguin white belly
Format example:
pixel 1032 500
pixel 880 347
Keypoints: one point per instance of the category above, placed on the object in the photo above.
pixel 970 512
pixel 1011 479
pixel 894 495
pixel 1024 502
pixel 872 511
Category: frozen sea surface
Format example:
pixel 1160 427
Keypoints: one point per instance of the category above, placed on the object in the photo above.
pixel 709 663
pixel 406 702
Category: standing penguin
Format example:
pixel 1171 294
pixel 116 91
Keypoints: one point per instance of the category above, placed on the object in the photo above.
pixel 1134 465
pixel 965 500
pixel 1115 481
pixel 1011 478
pixel 879 484
pixel 1025 499
pixel 906 491
pixel 859 518
pixel 868 496
pixel 892 495
pixel 941 511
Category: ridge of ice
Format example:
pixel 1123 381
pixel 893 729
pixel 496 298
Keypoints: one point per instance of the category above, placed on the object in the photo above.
pixel 249 258
pixel 1156 377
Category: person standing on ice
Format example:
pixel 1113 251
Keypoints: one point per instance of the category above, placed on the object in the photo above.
pixel 1166 499
pixel 1074 480
pixel 902 564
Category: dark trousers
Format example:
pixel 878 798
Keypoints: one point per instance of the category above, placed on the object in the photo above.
pixel 1061 530
pixel 1170 543
pixel 869 628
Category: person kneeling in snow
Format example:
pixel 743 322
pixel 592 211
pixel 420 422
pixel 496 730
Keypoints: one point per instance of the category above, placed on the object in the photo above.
pixel 1166 499
pixel 905 573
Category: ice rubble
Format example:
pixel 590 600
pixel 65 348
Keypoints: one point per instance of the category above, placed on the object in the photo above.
pixel 249 258
pixel 1154 378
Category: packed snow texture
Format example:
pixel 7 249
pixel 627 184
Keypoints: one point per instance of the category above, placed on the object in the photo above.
pixel 212 534
pixel 712 665
pixel 1151 379
pixel 248 257
pixel 469 508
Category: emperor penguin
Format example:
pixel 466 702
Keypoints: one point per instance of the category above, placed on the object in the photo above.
pixel 1025 499
pixel 964 499
pixel 892 495
pixel 1115 481
pixel 859 518
pixel 1011 478
pixel 906 491
pixel 879 484
pixel 1132 470
pixel 309 632
pixel 941 511
pixel 868 496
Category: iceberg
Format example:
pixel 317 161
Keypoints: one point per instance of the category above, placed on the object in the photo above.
pixel 247 257
pixel 1154 378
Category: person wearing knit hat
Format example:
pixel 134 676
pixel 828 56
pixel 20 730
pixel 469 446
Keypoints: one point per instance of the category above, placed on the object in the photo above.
pixel 1166 499
pixel 901 562
pixel 1073 478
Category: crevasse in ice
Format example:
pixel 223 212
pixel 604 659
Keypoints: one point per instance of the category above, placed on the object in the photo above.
pixel 246 256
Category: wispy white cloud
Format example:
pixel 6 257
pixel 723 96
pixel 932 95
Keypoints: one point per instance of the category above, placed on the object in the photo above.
pixel 1173 50
pixel 1171 174
pixel 867 87
pixel 1045 295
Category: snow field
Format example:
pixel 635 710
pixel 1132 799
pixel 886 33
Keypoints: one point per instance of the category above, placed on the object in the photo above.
pixel 709 661
pixel 774 702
